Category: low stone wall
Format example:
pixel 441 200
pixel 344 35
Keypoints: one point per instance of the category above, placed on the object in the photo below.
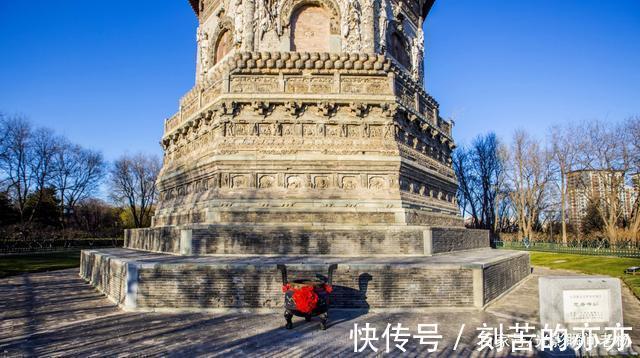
pixel 165 282
pixel 106 274
pixel 160 239
pixel 260 287
pixel 503 275
pixel 458 239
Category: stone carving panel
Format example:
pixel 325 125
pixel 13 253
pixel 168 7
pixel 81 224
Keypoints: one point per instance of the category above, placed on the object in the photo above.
pixel 349 183
pixel 322 182
pixel 314 85
pixel 377 183
pixel 364 85
pixel 254 84
pixel 239 181
pixel 295 182
pixel 266 181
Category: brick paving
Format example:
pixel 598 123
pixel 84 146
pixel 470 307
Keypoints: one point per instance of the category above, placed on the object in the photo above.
pixel 58 314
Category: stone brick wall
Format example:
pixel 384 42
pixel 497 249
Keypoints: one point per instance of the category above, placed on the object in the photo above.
pixel 160 239
pixel 167 283
pixel 251 287
pixel 259 240
pixel 430 218
pixel 457 239
pixel 307 240
pixel 502 276
pixel 104 273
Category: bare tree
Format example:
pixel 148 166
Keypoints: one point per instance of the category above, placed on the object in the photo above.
pixel 77 174
pixel 466 194
pixel 606 153
pixel 133 183
pixel 565 150
pixel 529 173
pixel 44 145
pixel 15 160
pixel 479 169
pixel 490 169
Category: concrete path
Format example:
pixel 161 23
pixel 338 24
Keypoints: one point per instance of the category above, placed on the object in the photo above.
pixel 57 314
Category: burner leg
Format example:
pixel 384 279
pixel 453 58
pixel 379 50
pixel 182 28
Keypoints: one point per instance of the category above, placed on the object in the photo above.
pixel 288 316
pixel 324 318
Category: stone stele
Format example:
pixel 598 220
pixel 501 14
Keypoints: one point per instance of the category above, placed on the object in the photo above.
pixel 308 132
pixel 572 301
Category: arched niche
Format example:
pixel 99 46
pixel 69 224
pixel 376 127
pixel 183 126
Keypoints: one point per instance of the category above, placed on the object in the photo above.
pixel 222 40
pixel 400 50
pixel 290 8
pixel 223 46
pixel 310 29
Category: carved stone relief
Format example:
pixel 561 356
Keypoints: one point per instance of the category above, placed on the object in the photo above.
pixel 294 182
pixel 349 183
pixel 239 181
pixel 351 26
pixel 377 183
pixel 322 182
pixel 266 181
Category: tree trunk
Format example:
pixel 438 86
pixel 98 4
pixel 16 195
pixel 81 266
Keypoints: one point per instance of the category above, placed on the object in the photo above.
pixel 563 207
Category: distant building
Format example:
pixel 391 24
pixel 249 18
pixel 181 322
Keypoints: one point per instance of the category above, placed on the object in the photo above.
pixel 635 179
pixel 634 193
pixel 629 199
pixel 587 186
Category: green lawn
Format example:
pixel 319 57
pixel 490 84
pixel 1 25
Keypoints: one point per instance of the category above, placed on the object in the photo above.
pixel 16 264
pixel 594 265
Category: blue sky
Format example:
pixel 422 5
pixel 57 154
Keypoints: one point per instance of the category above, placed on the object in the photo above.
pixel 107 73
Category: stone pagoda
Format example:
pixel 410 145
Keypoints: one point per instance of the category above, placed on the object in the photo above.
pixel 309 138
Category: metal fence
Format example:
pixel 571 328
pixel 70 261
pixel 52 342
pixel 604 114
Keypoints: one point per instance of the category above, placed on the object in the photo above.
pixel 22 247
pixel 598 250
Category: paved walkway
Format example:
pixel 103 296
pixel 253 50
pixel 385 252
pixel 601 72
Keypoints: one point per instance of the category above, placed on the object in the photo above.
pixel 57 314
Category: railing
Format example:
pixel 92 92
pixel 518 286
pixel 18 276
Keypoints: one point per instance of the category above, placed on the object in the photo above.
pixel 584 249
pixel 28 247
pixel 272 64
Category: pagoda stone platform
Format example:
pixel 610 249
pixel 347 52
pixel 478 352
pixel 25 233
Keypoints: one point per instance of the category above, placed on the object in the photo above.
pixel 145 281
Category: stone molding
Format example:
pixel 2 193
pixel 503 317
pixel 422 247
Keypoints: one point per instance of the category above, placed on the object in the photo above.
pixel 231 77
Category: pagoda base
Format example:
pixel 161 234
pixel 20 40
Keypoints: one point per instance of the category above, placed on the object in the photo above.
pixel 144 281
pixel 305 239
